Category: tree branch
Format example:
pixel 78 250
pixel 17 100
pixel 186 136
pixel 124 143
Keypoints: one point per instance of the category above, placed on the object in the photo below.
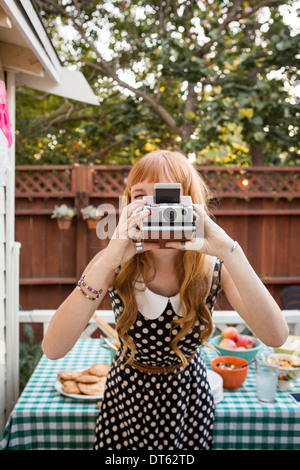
pixel 232 16
pixel 265 3
pixel 56 122
pixel 105 69
pixel 189 107
pixel 102 151
pixel 148 98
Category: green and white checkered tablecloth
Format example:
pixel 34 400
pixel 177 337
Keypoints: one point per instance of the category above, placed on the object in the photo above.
pixel 242 422
pixel 43 419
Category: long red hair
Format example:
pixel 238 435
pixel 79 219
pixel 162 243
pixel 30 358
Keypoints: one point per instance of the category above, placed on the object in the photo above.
pixel 191 266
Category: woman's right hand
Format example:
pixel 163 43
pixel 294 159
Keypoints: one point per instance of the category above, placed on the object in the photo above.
pixel 122 244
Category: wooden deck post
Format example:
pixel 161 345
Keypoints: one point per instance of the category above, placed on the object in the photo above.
pixel 82 198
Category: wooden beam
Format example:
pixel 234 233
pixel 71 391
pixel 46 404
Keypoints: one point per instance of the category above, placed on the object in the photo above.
pixel 224 212
pixel 4 20
pixel 20 59
pixel 270 280
pixel 38 281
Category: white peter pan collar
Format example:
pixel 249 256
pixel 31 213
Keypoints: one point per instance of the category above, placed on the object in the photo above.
pixel 152 305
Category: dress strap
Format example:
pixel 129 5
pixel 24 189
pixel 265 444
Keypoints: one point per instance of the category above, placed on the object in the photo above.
pixel 215 285
pixel 117 270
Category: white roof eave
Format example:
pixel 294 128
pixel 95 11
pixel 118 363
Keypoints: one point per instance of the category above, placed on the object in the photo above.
pixel 57 80
pixel 25 29
pixel 72 84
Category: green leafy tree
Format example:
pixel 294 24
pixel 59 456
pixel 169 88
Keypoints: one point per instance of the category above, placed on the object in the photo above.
pixel 208 77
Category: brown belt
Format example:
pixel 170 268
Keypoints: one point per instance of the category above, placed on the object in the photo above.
pixel 159 370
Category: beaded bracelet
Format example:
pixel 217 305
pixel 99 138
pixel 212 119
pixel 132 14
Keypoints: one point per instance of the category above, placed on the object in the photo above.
pixel 88 287
pixel 97 292
pixel 86 295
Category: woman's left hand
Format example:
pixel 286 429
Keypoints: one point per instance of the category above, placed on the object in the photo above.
pixel 209 238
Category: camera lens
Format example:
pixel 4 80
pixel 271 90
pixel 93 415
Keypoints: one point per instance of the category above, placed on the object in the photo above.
pixel 169 214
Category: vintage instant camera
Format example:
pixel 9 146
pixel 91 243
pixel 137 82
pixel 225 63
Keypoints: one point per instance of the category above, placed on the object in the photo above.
pixel 171 216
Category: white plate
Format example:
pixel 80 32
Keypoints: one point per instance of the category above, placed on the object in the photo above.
pixel 216 385
pixel 215 380
pixel 58 388
pixel 218 399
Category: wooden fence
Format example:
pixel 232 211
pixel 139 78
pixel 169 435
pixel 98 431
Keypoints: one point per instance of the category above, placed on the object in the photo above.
pixel 259 207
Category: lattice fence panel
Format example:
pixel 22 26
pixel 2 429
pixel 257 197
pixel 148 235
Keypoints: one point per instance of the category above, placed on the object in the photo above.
pixel 253 182
pixel 44 182
pixel 109 181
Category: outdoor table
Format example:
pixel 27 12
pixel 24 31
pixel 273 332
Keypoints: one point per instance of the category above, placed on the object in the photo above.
pixel 43 419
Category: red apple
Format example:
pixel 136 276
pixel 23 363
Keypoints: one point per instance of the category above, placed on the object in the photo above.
pixel 227 343
pixel 246 341
pixel 231 333
pixel 241 347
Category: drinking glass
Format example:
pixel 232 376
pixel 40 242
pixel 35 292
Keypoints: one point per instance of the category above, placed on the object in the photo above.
pixel 266 379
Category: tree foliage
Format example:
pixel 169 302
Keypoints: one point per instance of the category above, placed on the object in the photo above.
pixel 212 78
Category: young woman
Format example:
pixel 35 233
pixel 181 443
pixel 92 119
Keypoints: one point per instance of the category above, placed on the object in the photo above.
pixel 157 395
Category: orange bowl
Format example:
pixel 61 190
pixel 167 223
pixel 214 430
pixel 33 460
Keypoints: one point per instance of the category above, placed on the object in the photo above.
pixel 232 378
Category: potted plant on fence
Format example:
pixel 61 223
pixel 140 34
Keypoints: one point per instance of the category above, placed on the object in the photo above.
pixel 92 216
pixel 64 215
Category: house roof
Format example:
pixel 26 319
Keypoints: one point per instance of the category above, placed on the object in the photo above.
pixel 26 48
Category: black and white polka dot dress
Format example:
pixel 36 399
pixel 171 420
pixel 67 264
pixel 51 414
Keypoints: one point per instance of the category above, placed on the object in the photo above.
pixel 166 411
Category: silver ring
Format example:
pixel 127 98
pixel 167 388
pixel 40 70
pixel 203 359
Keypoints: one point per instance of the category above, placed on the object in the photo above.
pixel 125 234
pixel 139 247
pixel 183 246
